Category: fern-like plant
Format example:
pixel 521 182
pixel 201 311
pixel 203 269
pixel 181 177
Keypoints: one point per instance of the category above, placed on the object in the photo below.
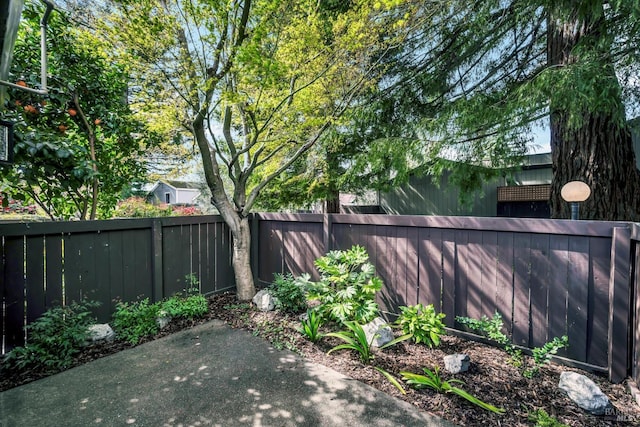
pixel 347 286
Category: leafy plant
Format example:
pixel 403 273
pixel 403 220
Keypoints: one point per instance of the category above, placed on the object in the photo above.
pixel 433 380
pixel 185 307
pixel 542 419
pixel 54 338
pixel 492 329
pixel 289 293
pixel 133 321
pixel 542 355
pixel 310 326
pixel 391 379
pixel 356 339
pixel 347 286
pixel 422 323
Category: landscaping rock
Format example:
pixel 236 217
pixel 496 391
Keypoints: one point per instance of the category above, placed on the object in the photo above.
pixel 101 332
pixel 584 392
pixel 456 363
pixel 378 332
pixel 163 319
pixel 264 300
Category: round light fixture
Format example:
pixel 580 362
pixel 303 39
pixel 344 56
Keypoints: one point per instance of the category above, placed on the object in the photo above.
pixel 575 191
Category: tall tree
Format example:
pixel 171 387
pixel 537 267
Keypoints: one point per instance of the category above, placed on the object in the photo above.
pixel 482 72
pixel 76 149
pixel 258 84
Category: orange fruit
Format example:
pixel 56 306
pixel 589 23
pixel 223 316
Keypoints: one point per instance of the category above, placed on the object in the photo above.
pixel 62 128
pixel 72 112
pixel 30 109
pixel 21 83
pixel 97 122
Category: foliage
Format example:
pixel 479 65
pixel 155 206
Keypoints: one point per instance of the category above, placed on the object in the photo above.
pixel 422 323
pixel 542 355
pixel 391 379
pixel 492 329
pixel 78 147
pixel 433 380
pixel 356 339
pixel 137 207
pixel 347 286
pixel 188 307
pixel 54 338
pixel 310 326
pixel 542 419
pixel 289 293
pixel 136 320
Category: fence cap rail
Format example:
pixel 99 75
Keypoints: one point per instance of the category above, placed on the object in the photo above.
pixel 517 225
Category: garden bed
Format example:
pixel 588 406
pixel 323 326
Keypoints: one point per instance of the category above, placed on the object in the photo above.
pixel 490 377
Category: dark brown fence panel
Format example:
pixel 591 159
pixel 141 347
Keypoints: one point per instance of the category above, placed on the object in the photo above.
pixel 546 278
pixel 56 263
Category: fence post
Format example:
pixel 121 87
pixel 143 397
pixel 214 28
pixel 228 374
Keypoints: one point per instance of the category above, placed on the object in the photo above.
pixel 619 304
pixel 255 246
pixel 327 224
pixel 156 248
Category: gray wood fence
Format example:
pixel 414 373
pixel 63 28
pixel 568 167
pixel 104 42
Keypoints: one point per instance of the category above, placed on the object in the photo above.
pixel 546 278
pixel 54 263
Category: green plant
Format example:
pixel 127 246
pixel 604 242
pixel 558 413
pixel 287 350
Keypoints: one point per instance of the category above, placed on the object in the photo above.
pixel 347 286
pixel 289 293
pixel 310 326
pixel 433 380
pixel 132 321
pixel 492 329
pixel 185 307
pixel 542 419
pixel 542 355
pixel 356 339
pixel 422 323
pixel 54 338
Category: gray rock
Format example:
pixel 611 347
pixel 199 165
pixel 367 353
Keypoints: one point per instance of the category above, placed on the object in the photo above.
pixel 456 363
pixel 264 300
pixel 378 332
pixel 101 332
pixel 163 319
pixel 584 392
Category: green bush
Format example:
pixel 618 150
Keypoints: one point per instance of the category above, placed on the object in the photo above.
pixel 133 321
pixel 54 338
pixel 422 323
pixel 289 293
pixel 347 286
pixel 185 307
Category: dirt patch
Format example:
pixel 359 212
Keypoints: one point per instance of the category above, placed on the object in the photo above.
pixel 491 376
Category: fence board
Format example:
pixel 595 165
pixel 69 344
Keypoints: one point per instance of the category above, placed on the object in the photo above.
pixel 597 333
pixel 489 272
pixel 462 269
pixel 429 271
pixel 504 279
pixel 34 281
pixel 14 291
pixel 559 292
pixel 539 288
pixel 100 281
pixel 578 303
pixel 449 277
pixel 521 288
pixel 473 258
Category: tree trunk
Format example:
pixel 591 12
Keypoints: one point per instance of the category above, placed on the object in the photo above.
pixel 245 288
pixel 598 149
pixel 332 202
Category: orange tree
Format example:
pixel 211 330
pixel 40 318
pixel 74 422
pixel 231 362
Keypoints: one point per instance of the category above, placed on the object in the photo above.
pixel 79 147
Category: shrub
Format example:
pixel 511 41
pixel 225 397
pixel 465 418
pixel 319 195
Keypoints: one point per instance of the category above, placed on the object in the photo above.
pixel 133 321
pixel 137 207
pixel 54 338
pixel 422 323
pixel 185 307
pixel 347 286
pixel 289 293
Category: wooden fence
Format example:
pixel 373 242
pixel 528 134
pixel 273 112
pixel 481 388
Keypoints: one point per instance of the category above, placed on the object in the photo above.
pixel 51 263
pixel 546 278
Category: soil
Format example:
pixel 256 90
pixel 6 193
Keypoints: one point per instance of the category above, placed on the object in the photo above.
pixel 491 376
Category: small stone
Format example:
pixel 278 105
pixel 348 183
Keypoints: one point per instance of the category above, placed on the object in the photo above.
pixel 264 300
pixel 456 363
pixel 584 393
pixel 378 332
pixel 163 319
pixel 101 332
